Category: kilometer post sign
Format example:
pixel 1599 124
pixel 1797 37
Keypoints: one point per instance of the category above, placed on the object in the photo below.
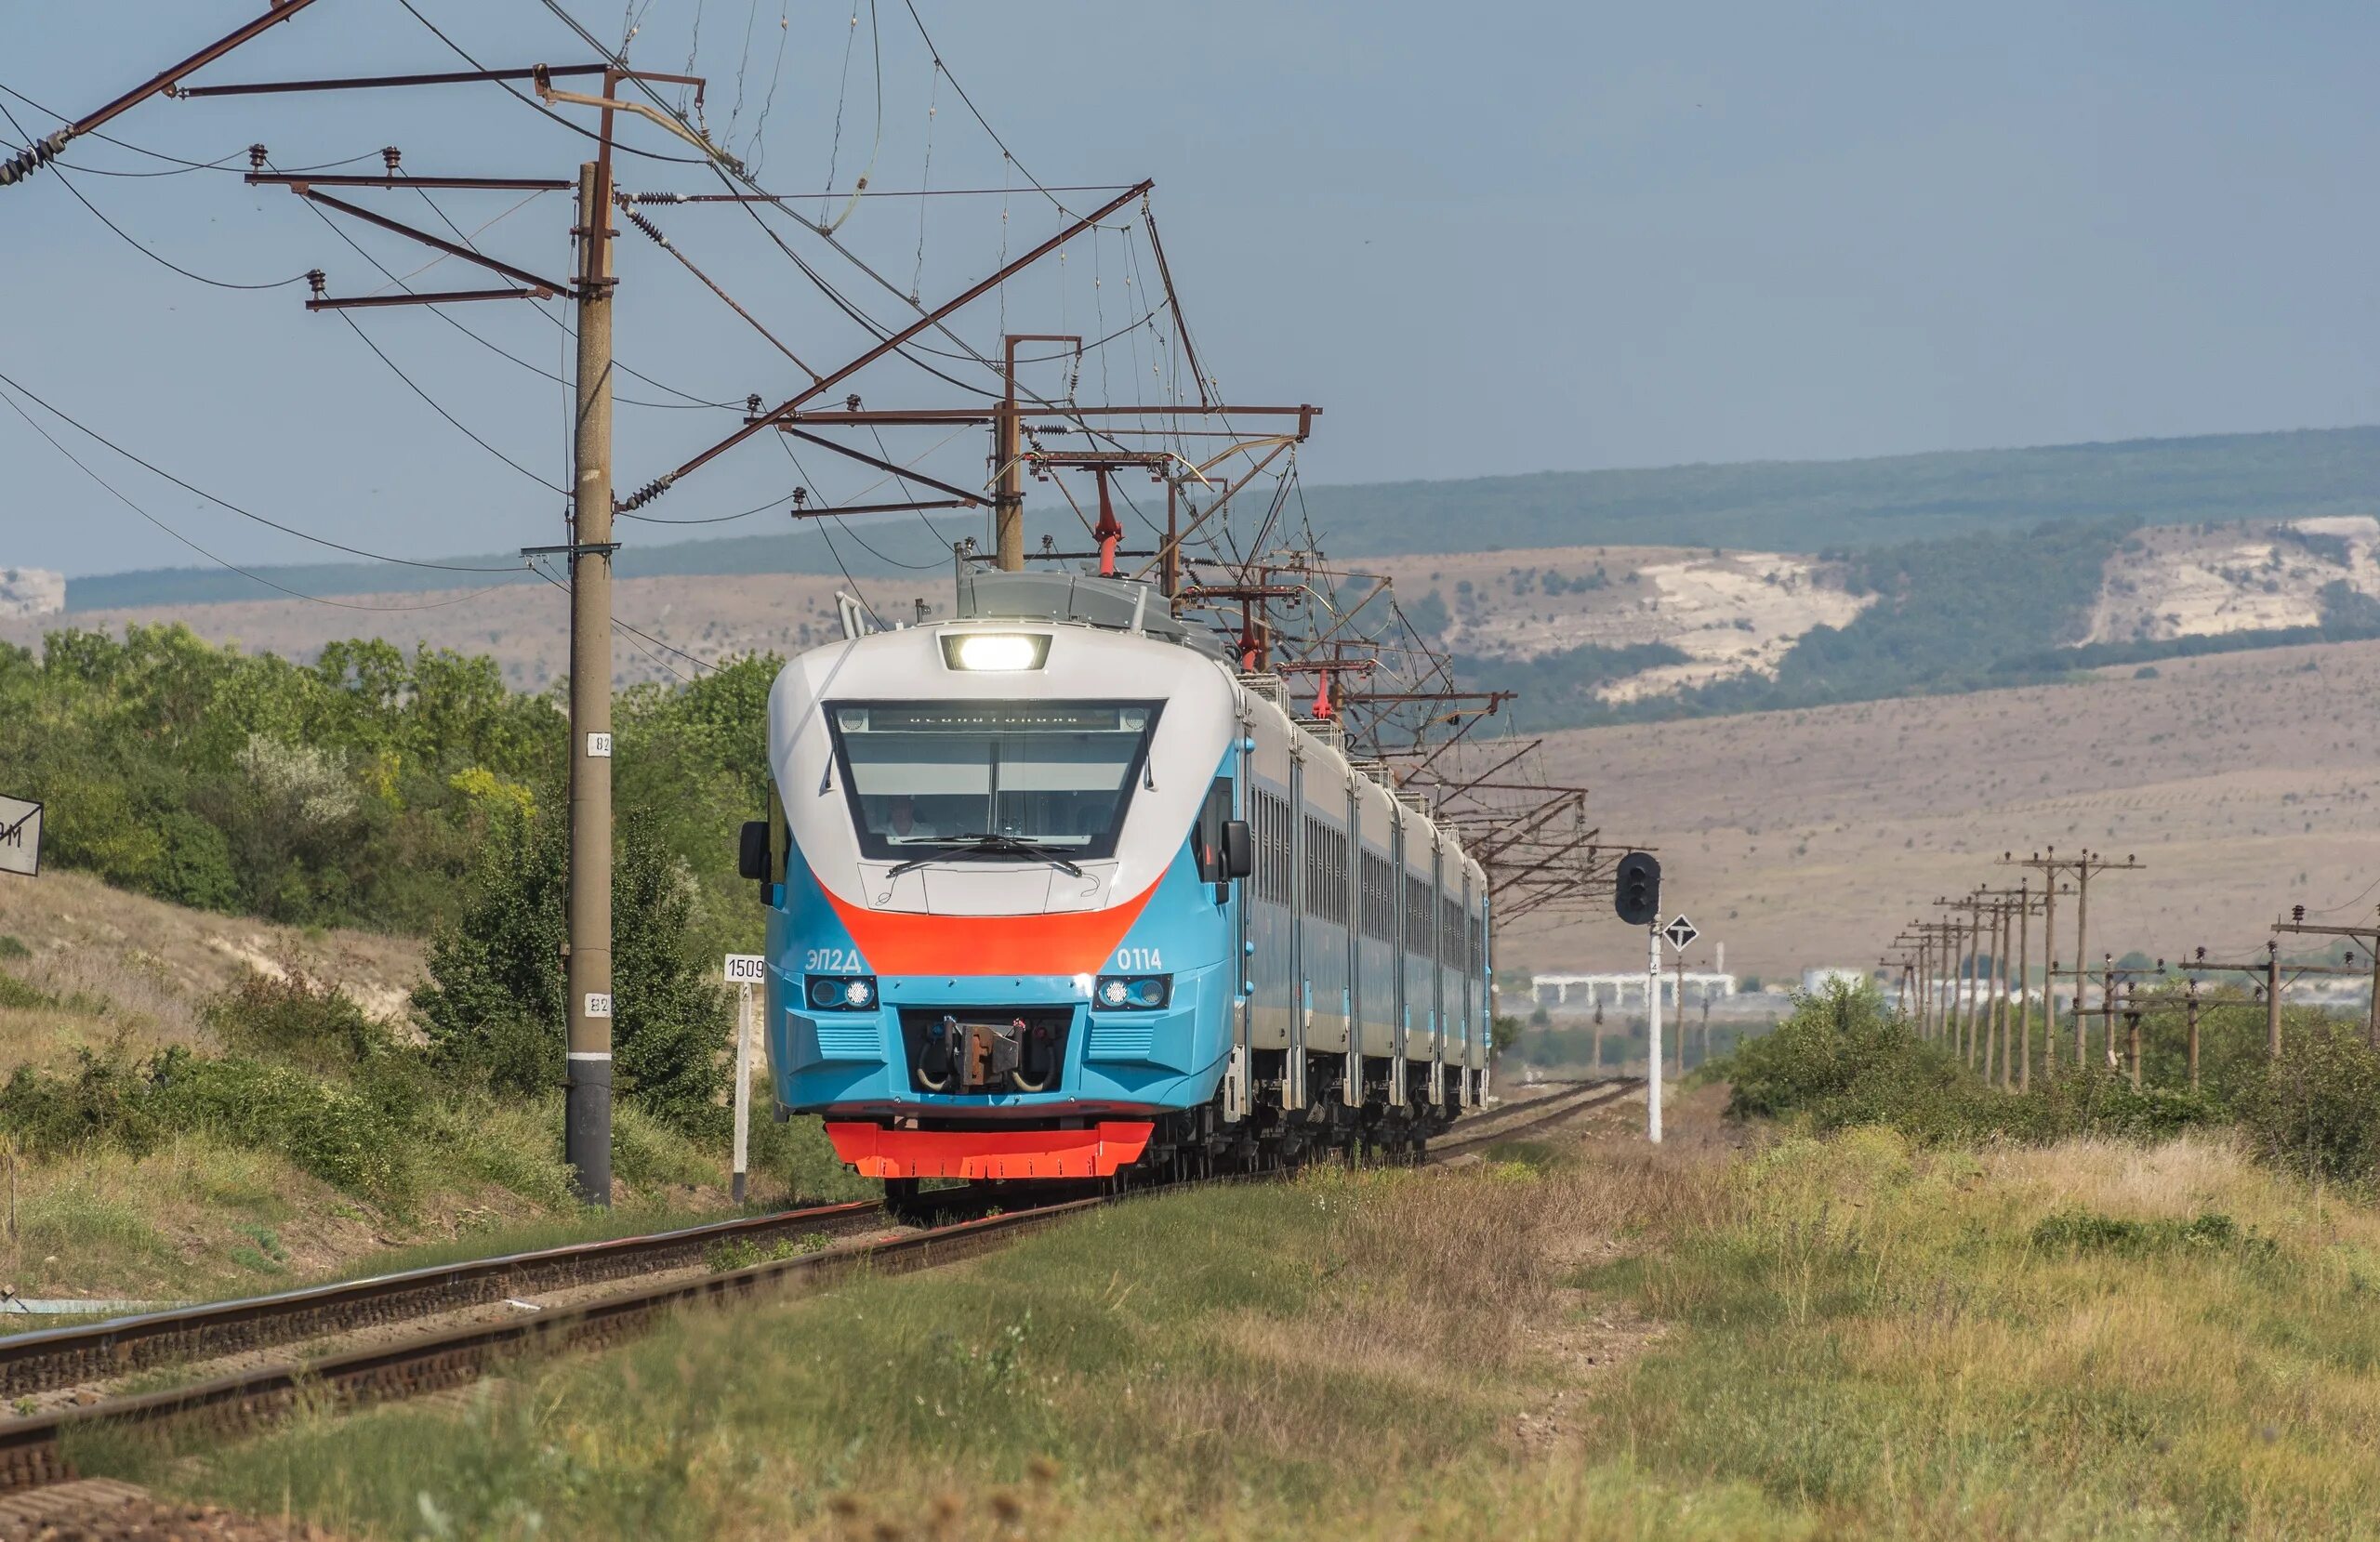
pixel 19 836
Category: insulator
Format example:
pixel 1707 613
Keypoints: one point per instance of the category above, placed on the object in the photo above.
pixel 851 402
pixel 17 167
pixel 646 494
pixel 315 278
pixel 800 497
pixel 649 228
pixel 256 157
pixel 752 405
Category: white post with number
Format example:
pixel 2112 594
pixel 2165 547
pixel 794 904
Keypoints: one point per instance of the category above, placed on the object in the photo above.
pixel 1653 1018
pixel 742 970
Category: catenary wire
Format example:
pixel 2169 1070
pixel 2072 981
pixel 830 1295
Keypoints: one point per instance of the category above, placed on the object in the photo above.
pixel 691 401
pixel 221 503
pixel 221 561
pixel 455 422
pixel 540 108
pixel 121 234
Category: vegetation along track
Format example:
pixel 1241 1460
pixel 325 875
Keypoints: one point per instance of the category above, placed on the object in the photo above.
pixel 32 1451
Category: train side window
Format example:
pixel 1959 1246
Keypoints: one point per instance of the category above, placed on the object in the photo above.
pixel 1209 846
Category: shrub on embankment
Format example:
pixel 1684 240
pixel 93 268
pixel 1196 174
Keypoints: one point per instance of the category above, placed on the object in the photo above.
pixel 1844 1058
pixel 306 1076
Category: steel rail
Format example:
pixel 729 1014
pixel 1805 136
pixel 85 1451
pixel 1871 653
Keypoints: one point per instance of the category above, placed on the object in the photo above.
pixel 1537 1116
pixel 56 1358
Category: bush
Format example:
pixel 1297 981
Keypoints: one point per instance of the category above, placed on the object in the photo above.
pixel 103 1101
pixel 1843 1058
pixel 17 994
pixel 2316 1111
pixel 299 1019
pixel 494 1009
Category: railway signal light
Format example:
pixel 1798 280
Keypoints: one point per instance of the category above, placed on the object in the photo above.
pixel 1637 894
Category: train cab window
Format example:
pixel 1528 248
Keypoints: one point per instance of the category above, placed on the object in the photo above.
pixel 1058 774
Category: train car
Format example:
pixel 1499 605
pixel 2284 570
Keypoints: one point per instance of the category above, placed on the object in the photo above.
pixel 1055 892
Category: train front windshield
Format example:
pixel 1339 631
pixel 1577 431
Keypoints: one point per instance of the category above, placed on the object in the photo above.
pixel 1057 775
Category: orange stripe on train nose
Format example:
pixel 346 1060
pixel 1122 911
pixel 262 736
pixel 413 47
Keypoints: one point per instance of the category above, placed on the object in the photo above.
pixel 1074 941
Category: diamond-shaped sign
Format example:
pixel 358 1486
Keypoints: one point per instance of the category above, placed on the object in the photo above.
pixel 1680 932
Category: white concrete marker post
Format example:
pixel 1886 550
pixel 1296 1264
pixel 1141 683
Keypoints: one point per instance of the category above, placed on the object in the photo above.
pixel 1653 1017
pixel 743 968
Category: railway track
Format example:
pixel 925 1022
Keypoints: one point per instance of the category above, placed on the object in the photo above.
pixel 32 1363
pixel 1518 1122
pixel 33 1448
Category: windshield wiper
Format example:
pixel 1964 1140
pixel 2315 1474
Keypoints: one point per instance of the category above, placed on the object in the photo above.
pixel 985 844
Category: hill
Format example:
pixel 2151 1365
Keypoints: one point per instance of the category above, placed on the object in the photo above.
pixel 1779 506
pixel 2241 780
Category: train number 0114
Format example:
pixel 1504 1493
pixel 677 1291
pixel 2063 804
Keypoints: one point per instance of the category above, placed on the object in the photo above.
pixel 1128 959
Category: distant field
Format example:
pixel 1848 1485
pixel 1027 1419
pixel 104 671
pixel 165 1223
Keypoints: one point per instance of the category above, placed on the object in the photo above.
pixel 2244 783
pixel 1775 506
pixel 2244 778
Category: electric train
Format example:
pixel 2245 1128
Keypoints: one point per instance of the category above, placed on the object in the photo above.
pixel 1055 892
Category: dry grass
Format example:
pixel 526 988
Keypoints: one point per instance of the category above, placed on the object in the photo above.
pixel 153 962
pixel 1838 1339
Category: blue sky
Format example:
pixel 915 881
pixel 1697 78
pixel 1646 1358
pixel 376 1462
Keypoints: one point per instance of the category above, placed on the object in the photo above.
pixel 1487 239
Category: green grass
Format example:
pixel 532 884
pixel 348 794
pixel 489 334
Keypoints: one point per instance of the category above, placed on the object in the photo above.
pixel 1857 1337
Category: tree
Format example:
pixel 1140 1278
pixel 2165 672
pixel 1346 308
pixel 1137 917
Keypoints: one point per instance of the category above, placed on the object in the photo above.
pixel 494 1009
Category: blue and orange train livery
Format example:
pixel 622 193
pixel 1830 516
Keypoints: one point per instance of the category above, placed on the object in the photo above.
pixel 1054 892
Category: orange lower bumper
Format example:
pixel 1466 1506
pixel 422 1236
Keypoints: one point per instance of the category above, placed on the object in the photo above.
pixel 982 1153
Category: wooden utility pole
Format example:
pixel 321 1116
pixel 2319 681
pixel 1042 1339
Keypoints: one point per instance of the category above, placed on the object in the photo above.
pixel 2001 1029
pixel 2083 865
pixel 2190 991
pixel 2269 968
pixel 2024 987
pixel 2367 935
pixel 2272 1000
pixel 587 1095
pixel 2011 910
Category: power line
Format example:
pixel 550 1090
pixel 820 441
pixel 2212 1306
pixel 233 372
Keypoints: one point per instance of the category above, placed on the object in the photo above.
pixel 442 411
pixel 439 311
pixel 216 164
pixel 221 562
pixel 540 108
pixel 222 503
pixel 68 183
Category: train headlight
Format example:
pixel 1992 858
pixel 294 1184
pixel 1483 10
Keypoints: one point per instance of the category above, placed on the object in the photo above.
pixel 996 650
pixel 842 992
pixel 1133 993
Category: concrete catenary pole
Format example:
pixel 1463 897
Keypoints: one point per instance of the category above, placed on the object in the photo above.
pixel 1008 455
pixel 586 1140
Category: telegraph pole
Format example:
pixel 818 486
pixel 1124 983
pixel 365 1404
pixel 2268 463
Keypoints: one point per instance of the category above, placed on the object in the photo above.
pixel 2368 936
pixel 2024 986
pixel 587 1117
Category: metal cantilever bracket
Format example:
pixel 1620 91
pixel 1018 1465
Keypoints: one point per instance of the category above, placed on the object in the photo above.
pixel 606 548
